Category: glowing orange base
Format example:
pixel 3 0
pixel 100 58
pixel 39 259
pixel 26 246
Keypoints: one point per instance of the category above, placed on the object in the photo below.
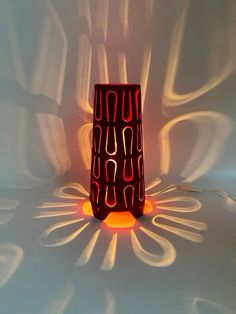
pixel 118 219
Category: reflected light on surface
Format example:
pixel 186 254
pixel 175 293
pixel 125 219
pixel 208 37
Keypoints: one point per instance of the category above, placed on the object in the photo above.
pixel 170 97
pixel 195 204
pixel 110 303
pixel 87 209
pixel 61 303
pixel 167 258
pixel 145 72
pixel 124 16
pixel 149 8
pixel 6 204
pixel 54 141
pixel 50 60
pixel 84 11
pixel 169 188
pixel 84 74
pixel 77 187
pixel 120 220
pixel 122 68
pixel 199 305
pixel 191 236
pixel 153 184
pixel 88 251
pixel 126 220
pixel 11 256
pixel 213 130
pixel 17 62
pixel 62 241
pixel 5 218
pixel 102 17
pixel 47 214
pixel 102 64
pixel 110 256
pixel 84 135
pixel 56 205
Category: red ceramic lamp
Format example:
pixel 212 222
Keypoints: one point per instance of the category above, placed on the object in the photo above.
pixel 117 172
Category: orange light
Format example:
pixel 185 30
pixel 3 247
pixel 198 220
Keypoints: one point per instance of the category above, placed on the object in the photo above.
pixel 120 220
pixel 148 208
pixel 87 209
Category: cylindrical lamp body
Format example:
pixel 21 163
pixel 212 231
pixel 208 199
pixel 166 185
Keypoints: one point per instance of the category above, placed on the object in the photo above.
pixel 117 171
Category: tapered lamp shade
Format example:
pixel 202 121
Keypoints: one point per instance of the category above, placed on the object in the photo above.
pixel 117 172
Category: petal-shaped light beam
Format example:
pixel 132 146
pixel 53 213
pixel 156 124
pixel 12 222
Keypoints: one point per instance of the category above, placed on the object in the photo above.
pixel 61 241
pixel 191 236
pixel 166 259
pixel 194 204
pixel 11 256
pixel 213 128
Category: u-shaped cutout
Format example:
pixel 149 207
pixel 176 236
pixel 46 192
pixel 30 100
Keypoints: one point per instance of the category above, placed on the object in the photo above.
pixel 96 167
pixel 110 168
pixel 137 102
pixel 110 196
pixel 139 137
pixel 95 192
pixel 111 106
pixel 98 106
pixel 140 166
pixel 111 142
pixel 141 190
pixel 127 135
pixel 127 114
pixel 128 170
pixel 128 196
pixel 97 138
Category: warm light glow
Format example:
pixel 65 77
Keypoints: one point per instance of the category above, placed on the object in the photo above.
pixel 47 214
pixel 84 140
pixel 194 204
pixel 6 204
pixel 149 8
pixel 61 303
pixel 48 77
pixel 102 64
pixel 191 236
pixel 87 209
pixel 84 73
pixel 56 205
pixel 208 306
pixel 61 192
pixel 217 75
pixel 213 130
pixel 153 184
pixel 11 256
pixel 54 141
pixel 148 208
pixel 145 72
pixel 62 241
pixel 122 68
pixel 111 138
pixel 5 218
pixel 167 258
pixel 102 11
pixel 84 10
pixel 88 251
pixel 124 16
pixel 110 256
pixel 120 220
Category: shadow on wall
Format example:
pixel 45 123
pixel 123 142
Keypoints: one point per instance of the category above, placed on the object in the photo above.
pixel 47 82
